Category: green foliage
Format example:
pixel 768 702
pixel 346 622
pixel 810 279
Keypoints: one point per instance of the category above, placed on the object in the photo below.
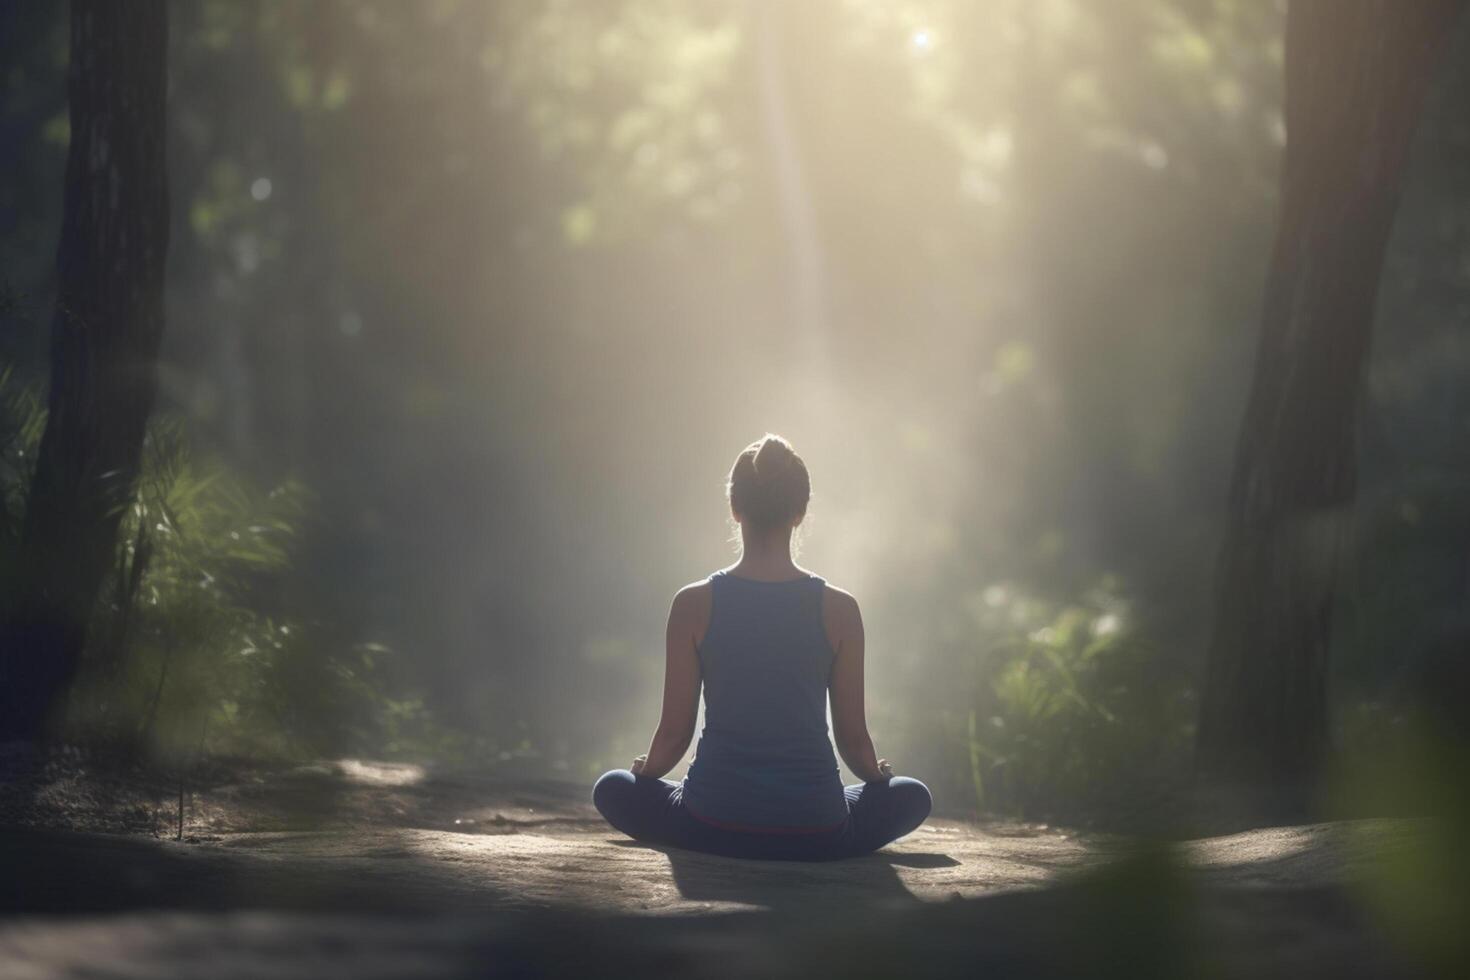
pixel 1066 712
pixel 631 97
pixel 184 639
pixel 194 641
pixel 197 643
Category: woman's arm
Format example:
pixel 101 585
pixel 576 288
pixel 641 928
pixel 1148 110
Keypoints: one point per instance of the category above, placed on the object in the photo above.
pixel 681 684
pixel 849 721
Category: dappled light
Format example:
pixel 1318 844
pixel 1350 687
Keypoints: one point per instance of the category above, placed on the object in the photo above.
pixel 380 773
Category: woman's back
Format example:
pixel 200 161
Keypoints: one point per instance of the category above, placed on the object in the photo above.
pixel 767 653
pixel 764 760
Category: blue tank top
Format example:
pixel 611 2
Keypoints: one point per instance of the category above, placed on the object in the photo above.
pixel 764 761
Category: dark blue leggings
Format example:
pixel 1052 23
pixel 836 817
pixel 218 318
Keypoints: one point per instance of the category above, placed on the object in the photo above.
pixel 652 810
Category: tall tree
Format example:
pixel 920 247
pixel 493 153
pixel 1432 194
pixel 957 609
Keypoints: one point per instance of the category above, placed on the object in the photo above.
pixel 1357 74
pixel 105 333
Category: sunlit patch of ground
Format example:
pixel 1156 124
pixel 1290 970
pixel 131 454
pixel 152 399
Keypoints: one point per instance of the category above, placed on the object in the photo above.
pixel 380 773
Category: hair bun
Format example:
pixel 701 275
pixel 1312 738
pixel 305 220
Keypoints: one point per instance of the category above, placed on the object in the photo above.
pixel 773 456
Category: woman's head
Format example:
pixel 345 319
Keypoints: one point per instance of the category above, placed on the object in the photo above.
pixel 769 486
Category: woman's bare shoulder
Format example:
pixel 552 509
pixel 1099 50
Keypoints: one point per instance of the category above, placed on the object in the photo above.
pixel 839 600
pixel 693 599
pixel 841 618
pixel 690 612
pixel 693 589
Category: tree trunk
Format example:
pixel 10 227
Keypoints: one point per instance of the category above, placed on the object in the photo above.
pixel 105 334
pixel 1357 73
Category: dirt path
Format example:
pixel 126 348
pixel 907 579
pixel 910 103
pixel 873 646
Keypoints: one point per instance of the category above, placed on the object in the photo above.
pixel 360 870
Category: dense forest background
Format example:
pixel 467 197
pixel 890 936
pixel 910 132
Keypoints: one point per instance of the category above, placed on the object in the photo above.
pixel 471 306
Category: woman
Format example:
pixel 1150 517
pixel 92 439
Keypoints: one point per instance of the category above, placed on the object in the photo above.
pixel 768 641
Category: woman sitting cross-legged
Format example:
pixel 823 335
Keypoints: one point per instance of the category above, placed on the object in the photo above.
pixel 769 641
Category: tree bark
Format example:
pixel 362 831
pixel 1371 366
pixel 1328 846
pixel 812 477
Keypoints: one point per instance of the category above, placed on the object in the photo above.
pixel 1357 74
pixel 105 333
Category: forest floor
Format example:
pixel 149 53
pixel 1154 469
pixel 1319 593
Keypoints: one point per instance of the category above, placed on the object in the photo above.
pixel 365 869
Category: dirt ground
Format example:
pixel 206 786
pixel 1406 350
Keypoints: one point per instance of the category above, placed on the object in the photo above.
pixel 365 869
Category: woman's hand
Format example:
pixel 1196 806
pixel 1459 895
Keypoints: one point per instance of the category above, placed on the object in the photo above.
pixel 638 764
pixel 884 769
